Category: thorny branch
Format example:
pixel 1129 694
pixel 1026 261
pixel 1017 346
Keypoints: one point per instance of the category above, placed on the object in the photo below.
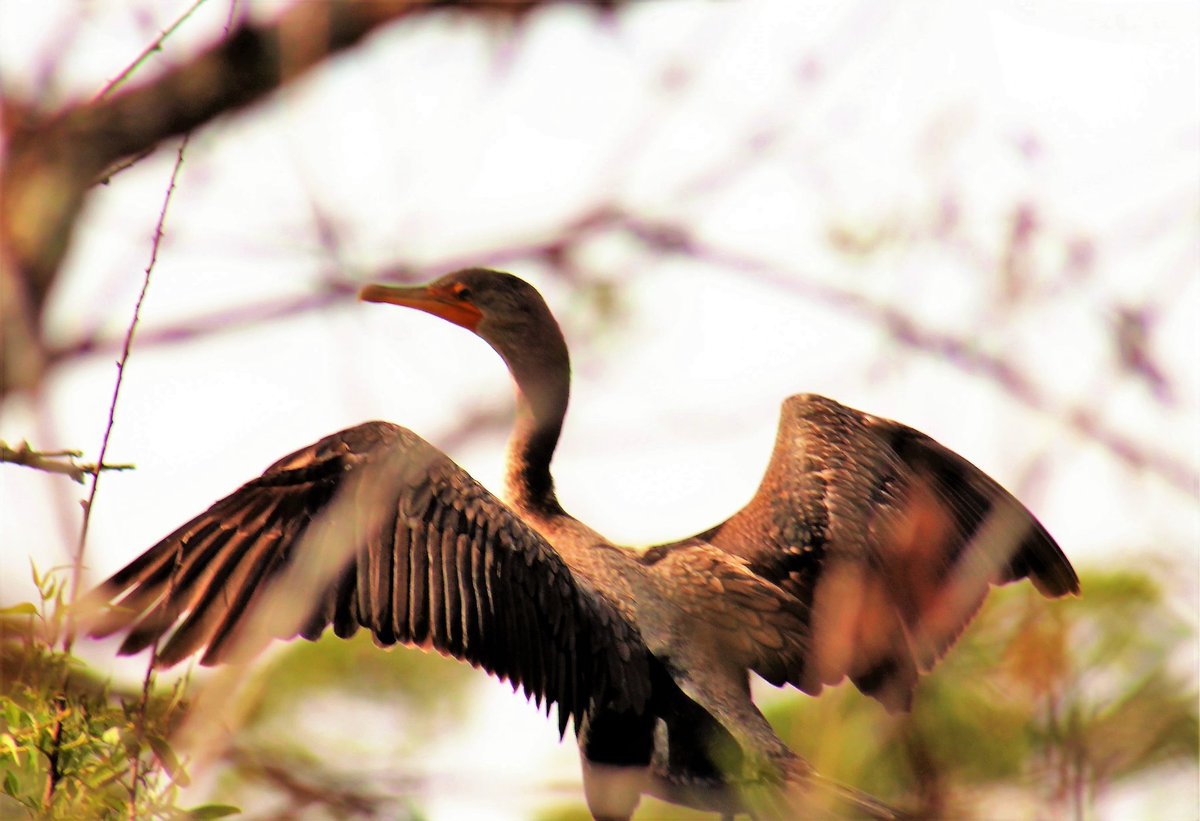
pixel 77 561
pixel 77 565
pixel 154 46
pixel 135 757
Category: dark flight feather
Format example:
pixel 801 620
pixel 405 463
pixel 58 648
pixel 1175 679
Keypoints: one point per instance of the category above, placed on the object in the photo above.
pixel 440 562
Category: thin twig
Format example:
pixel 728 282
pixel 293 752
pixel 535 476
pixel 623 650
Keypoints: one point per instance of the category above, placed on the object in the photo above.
pixel 77 562
pixel 154 46
pixel 123 164
pixel 56 461
pixel 77 565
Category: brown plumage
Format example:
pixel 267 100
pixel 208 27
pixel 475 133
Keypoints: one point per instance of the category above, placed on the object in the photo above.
pixel 864 554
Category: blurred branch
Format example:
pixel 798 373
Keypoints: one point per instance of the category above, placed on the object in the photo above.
pixel 305 785
pixel 957 351
pixel 52 160
pixel 674 238
pixel 56 461
pixel 1131 336
pixel 333 289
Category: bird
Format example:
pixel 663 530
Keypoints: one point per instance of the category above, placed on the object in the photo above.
pixel 866 550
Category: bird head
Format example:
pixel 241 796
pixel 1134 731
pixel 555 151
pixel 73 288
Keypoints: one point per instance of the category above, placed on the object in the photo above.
pixel 505 311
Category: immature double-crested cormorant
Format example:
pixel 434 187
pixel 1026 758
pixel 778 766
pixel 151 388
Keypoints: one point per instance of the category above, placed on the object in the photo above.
pixel 865 552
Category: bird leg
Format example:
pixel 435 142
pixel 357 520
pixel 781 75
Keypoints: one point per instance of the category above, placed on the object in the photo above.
pixel 772 782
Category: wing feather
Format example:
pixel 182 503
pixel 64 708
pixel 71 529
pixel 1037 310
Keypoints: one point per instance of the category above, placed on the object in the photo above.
pixel 373 527
pixel 418 583
pixel 205 619
pixel 345 623
pixel 401 578
pixel 889 538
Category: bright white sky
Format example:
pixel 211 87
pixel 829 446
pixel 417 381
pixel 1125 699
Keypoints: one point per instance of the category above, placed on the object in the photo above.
pixel 439 141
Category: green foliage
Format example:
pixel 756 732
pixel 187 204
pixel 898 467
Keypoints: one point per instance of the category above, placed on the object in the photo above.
pixel 70 747
pixel 1057 699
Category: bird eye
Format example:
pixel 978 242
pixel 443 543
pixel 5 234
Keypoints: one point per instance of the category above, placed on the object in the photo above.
pixel 460 291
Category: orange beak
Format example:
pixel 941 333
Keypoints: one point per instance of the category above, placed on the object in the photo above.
pixel 439 302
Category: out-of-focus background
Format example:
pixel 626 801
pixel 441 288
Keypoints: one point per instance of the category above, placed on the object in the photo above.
pixel 980 220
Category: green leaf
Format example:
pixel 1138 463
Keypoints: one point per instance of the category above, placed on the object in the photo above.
pixel 23 609
pixel 212 811
pixel 37 580
pixel 166 756
pixel 10 783
pixel 111 736
pixel 10 744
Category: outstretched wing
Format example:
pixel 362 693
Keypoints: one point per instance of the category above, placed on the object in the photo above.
pixel 889 538
pixel 374 527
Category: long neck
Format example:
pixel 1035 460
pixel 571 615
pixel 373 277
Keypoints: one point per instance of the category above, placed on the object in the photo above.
pixel 543 384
